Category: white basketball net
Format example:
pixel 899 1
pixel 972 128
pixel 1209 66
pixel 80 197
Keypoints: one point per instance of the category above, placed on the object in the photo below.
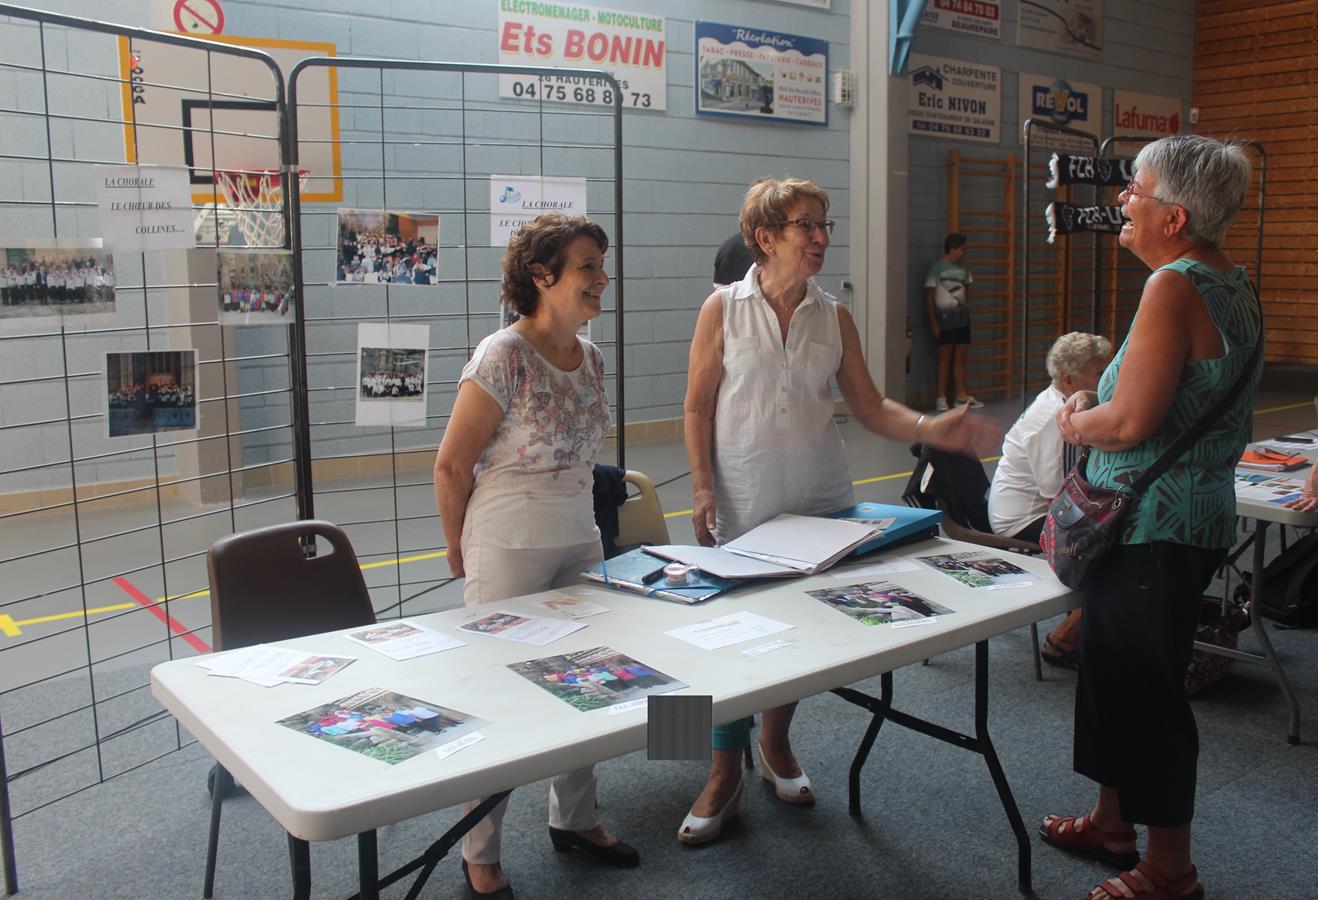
pixel 255 203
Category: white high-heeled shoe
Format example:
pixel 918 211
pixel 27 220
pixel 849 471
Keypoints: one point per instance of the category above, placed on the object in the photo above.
pixel 791 790
pixel 703 829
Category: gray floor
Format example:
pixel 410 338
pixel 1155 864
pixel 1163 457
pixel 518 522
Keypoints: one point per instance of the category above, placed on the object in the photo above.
pixel 932 825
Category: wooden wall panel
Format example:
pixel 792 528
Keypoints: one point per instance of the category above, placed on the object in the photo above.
pixel 1256 77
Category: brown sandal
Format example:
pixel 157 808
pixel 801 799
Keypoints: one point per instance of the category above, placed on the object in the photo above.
pixel 1163 888
pixel 1079 835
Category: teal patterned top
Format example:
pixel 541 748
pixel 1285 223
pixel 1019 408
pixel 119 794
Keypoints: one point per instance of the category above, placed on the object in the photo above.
pixel 1194 502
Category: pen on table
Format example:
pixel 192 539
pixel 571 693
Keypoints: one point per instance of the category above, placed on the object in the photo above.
pixel 1294 439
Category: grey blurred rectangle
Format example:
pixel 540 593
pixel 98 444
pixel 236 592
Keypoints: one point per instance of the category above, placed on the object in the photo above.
pixel 678 727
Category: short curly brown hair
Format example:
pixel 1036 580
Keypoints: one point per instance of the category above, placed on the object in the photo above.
pixel 767 203
pixel 540 248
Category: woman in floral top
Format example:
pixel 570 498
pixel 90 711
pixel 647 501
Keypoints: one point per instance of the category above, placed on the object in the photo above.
pixel 513 479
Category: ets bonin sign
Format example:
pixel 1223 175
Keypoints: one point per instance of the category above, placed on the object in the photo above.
pixel 948 98
pixel 630 46
pixel 145 208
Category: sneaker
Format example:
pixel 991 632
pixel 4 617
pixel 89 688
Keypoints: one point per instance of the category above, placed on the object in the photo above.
pixel 940 405
pixel 971 402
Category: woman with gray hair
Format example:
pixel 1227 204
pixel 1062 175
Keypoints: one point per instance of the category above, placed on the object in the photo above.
pixel 1195 331
pixel 1035 461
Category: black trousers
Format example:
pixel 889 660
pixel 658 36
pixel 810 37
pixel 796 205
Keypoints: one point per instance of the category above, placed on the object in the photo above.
pixel 1134 730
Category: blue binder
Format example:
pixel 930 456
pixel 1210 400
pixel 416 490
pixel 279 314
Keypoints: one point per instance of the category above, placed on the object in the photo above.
pixel 912 523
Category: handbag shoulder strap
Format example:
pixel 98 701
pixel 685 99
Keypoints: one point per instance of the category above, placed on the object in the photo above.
pixel 1173 453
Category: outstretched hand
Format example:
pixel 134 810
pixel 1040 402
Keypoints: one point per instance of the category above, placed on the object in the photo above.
pixel 1308 499
pixel 961 431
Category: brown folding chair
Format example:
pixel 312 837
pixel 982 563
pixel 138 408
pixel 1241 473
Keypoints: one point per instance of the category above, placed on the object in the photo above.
pixel 264 586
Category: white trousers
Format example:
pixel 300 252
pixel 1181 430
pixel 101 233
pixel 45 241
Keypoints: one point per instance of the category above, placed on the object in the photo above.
pixel 495 574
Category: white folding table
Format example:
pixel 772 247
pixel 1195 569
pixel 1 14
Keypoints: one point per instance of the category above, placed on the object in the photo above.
pixel 1264 513
pixel 320 792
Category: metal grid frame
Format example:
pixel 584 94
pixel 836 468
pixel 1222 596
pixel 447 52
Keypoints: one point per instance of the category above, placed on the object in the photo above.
pixel 83 722
pixel 378 486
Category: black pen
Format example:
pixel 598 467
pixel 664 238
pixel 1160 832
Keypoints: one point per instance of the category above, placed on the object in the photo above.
pixel 1294 439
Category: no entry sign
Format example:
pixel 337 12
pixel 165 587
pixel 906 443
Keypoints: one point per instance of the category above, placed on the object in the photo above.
pixel 199 16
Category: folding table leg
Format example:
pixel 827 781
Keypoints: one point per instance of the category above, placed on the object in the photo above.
pixel 220 786
pixel 368 866
pixel 299 857
pixel 985 747
pixel 1269 654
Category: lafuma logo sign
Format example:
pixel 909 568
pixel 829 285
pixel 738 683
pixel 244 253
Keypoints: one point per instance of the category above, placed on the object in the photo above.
pixel 1148 115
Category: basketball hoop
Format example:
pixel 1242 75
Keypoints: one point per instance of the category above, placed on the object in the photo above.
pixel 254 202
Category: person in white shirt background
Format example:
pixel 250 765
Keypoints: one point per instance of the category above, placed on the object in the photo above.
pixel 1035 461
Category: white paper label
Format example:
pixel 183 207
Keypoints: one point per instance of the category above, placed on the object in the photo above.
pixel 617 708
pixel 446 750
pixel 760 649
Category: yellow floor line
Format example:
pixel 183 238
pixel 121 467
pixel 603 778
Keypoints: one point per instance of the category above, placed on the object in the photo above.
pixel 1273 409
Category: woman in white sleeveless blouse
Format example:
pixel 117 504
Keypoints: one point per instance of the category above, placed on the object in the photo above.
pixel 760 436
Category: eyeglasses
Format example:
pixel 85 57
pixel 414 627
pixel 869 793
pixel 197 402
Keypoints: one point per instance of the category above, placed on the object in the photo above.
pixel 809 225
pixel 1133 190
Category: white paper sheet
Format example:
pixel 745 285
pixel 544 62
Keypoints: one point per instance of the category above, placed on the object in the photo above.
pixel 512 626
pixel 403 640
pixel 879 566
pixel 720 562
pixel 730 629
pixel 268 665
pixel 565 605
pixel 807 543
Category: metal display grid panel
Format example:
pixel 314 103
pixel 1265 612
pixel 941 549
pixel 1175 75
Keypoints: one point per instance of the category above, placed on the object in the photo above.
pixel 429 137
pixel 105 538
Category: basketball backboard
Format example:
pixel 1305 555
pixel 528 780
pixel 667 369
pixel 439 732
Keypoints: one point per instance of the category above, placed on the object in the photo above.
pixel 186 107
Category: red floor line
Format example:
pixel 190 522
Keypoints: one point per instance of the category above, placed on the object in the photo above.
pixel 156 610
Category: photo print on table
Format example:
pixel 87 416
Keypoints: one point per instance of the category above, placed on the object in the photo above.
pixel 879 602
pixel 64 277
pixel 977 569
pixel 150 391
pixel 256 287
pixel 596 678
pixel 383 724
pixel 387 247
pixel 391 374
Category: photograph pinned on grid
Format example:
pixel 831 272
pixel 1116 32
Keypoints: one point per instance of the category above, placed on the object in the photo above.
pixel 150 392
pixel 391 374
pixel 58 277
pixel 387 247
pixel 256 287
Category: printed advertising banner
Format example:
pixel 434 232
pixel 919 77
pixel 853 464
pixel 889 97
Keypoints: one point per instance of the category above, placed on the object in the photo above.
pixel 1071 104
pixel 631 47
pixel 952 99
pixel 978 17
pixel 1062 26
pixel 751 73
pixel 1147 115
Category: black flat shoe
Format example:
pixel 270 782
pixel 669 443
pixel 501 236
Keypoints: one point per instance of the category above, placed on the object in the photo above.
pixel 503 893
pixel 621 855
pixel 1055 656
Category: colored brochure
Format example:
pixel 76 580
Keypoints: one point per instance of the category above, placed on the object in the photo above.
pixel 1269 459
pixel 564 605
pixel 879 603
pixel 268 665
pixel 403 640
pixel 511 626
pixel 1265 488
pixel 384 724
pixel 977 569
pixel 597 678
pixel 726 630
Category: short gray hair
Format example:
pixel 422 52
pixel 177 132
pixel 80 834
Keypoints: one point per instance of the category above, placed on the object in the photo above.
pixel 1207 177
pixel 1070 353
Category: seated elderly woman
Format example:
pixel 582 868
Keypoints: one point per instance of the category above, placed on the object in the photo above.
pixel 1192 341
pixel 1035 460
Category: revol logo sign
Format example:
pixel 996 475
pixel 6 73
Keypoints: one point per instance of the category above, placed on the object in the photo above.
pixel 1060 102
